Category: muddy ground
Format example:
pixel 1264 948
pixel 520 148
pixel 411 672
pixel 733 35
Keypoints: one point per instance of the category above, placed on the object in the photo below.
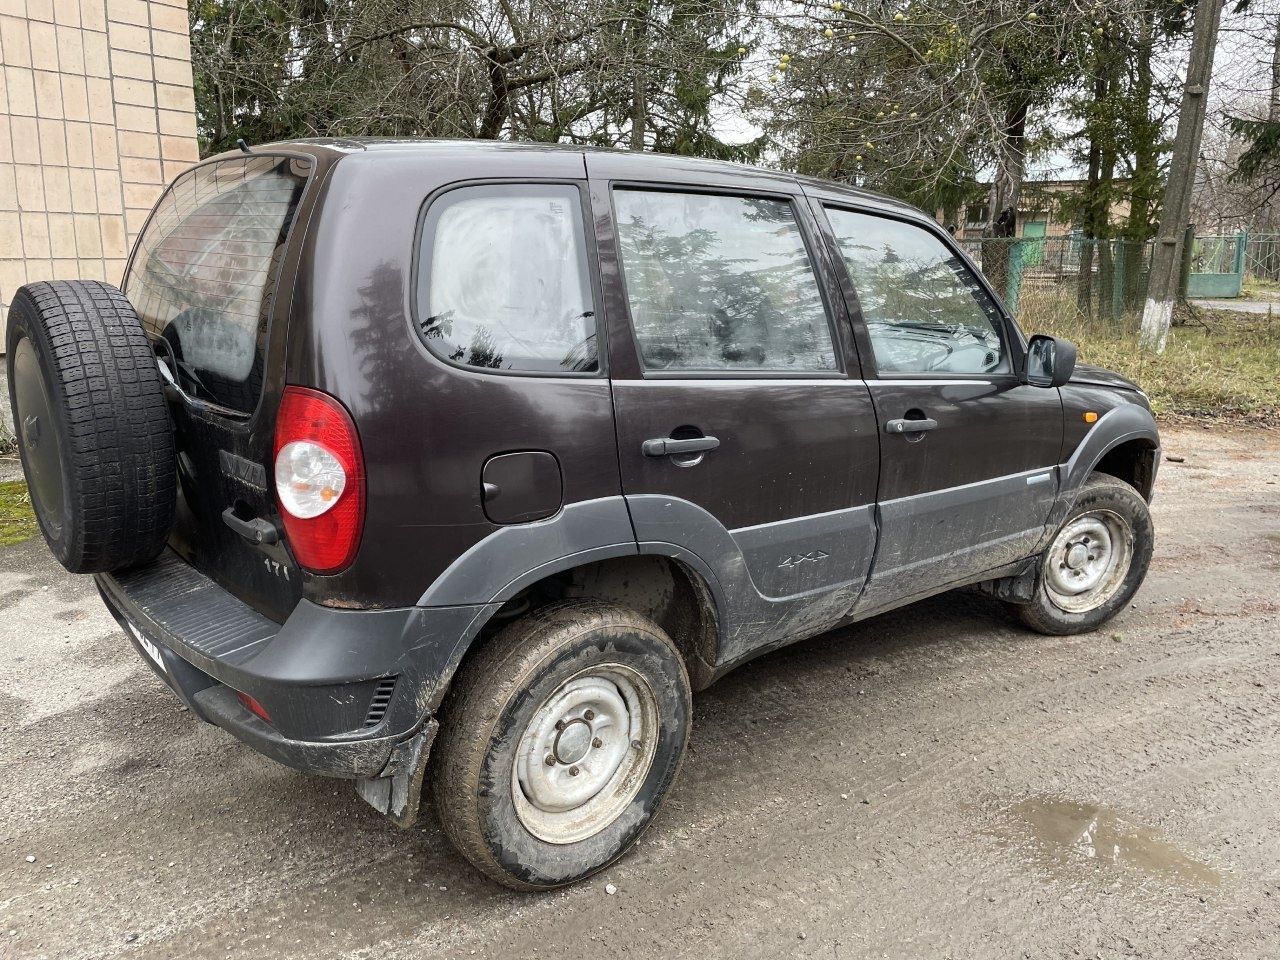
pixel 934 783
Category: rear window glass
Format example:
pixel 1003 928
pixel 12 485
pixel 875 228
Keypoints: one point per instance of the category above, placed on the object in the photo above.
pixel 206 267
pixel 503 281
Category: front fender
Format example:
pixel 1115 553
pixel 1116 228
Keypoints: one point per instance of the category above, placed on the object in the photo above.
pixel 1121 424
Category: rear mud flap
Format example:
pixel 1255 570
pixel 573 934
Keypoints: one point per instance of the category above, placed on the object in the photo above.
pixel 397 791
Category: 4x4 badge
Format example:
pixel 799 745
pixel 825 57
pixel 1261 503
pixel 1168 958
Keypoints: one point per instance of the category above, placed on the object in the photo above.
pixel 812 556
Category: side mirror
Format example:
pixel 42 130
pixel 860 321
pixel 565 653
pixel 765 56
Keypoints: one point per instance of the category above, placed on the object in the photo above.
pixel 1050 361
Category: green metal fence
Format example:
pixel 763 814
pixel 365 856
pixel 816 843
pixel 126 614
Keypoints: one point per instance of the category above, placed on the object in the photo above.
pixel 1217 266
pixel 1108 278
pixel 1262 257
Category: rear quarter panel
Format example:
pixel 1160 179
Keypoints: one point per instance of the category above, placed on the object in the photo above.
pixel 426 427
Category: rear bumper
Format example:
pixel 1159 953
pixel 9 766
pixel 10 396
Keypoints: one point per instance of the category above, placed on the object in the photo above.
pixel 346 690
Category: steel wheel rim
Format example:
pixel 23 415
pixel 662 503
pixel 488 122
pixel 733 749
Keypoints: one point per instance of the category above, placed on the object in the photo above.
pixel 585 754
pixel 1088 560
pixel 34 425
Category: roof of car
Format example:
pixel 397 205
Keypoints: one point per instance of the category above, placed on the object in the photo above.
pixel 336 146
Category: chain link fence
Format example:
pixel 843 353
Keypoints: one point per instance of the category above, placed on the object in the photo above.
pixel 1105 279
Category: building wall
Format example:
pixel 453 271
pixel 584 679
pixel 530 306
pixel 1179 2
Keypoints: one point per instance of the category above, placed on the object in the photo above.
pixel 1040 200
pixel 96 115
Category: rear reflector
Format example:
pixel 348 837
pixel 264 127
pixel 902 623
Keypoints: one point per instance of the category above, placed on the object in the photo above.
pixel 319 475
pixel 253 706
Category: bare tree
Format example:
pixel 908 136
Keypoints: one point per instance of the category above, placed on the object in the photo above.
pixel 643 72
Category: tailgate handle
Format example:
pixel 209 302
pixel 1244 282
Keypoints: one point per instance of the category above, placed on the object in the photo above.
pixel 255 531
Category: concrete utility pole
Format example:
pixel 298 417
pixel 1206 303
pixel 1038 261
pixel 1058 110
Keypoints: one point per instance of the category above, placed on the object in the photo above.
pixel 1162 289
pixel 1273 108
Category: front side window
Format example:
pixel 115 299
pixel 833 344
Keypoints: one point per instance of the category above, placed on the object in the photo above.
pixel 924 310
pixel 205 268
pixel 720 283
pixel 503 281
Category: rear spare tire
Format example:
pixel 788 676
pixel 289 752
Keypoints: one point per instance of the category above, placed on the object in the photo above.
pixel 91 424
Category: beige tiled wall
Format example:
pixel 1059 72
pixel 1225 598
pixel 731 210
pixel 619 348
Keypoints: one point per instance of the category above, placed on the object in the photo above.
pixel 96 115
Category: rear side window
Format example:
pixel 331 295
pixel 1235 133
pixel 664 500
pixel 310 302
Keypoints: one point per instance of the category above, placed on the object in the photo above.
pixel 205 270
pixel 503 281
pixel 720 283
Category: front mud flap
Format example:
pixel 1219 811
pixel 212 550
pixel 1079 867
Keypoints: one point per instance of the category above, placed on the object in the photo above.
pixel 1016 587
pixel 397 791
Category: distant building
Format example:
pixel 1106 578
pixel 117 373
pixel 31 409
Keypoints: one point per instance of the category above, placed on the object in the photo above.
pixel 1040 211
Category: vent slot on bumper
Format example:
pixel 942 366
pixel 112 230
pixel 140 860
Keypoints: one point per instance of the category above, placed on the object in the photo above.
pixel 380 702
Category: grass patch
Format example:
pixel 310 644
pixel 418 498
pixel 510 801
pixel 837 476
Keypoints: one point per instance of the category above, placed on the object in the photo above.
pixel 1256 288
pixel 17 522
pixel 1231 369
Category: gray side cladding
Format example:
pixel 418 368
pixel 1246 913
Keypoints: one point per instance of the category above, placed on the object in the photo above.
pixel 931 540
pixel 777 582
pixel 824 594
pixel 816 565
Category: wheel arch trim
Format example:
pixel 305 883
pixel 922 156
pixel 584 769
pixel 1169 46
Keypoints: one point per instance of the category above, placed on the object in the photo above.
pixel 475 586
pixel 506 561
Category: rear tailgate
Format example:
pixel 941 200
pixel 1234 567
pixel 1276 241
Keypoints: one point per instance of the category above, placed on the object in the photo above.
pixel 206 279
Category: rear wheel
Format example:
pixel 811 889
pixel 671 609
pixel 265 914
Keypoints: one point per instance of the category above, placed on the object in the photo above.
pixel 559 741
pixel 91 424
pixel 1095 562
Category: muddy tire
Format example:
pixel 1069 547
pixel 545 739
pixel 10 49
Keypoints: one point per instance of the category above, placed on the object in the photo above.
pixel 91 424
pixel 558 741
pixel 1095 562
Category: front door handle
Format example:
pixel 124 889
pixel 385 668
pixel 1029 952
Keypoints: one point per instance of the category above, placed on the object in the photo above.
pixel 910 426
pixel 666 447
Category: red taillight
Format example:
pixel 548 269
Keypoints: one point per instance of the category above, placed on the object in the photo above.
pixel 325 472
pixel 254 706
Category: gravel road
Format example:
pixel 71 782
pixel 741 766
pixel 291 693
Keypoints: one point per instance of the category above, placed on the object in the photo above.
pixel 933 783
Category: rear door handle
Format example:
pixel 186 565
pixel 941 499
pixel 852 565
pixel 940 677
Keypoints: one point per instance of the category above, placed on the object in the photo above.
pixel 665 446
pixel 909 426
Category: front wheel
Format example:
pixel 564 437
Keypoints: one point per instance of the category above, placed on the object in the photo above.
pixel 558 742
pixel 1096 561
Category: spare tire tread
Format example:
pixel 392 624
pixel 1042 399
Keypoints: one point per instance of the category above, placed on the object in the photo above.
pixel 121 461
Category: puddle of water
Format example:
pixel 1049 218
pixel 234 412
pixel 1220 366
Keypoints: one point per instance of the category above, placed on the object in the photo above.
pixel 1078 831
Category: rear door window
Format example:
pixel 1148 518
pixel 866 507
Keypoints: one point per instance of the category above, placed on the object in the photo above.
pixel 205 269
pixel 720 283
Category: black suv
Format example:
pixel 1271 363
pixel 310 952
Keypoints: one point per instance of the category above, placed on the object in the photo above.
pixel 463 464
